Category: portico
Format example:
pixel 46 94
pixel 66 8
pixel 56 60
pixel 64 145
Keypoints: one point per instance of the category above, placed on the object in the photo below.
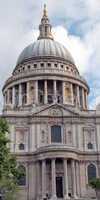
pixel 59 178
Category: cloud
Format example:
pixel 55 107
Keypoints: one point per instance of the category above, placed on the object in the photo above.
pixel 86 53
pixel 93 7
pixel 75 45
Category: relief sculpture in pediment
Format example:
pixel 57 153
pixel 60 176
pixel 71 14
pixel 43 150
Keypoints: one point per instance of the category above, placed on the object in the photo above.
pixel 55 112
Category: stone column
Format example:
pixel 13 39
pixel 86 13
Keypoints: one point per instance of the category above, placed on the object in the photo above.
pixel 36 92
pixel 55 91
pixel 27 93
pixel 20 95
pixel 53 173
pixel 13 96
pixel 74 179
pixel 43 179
pixel 72 94
pixel 63 91
pixel 83 97
pixel 78 178
pixel 65 179
pixel 45 92
pixel 86 99
pixel 38 181
pixel 78 96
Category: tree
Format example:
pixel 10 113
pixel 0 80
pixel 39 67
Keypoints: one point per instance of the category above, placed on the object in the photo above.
pixel 95 184
pixel 9 172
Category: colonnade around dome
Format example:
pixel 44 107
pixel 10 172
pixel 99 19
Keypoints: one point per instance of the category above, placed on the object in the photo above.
pixel 41 92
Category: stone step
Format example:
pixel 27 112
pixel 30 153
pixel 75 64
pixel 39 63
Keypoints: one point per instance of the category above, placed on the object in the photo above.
pixel 78 199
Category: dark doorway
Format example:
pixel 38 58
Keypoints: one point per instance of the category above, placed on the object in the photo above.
pixel 59 187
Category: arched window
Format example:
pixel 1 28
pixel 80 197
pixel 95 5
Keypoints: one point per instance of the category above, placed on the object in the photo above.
pixel 91 172
pixel 90 145
pixel 22 176
pixel 56 134
pixel 21 146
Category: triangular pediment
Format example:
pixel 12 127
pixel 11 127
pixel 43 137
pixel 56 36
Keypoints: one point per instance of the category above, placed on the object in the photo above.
pixel 56 110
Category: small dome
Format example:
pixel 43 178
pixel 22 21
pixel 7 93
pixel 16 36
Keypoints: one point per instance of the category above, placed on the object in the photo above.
pixel 45 48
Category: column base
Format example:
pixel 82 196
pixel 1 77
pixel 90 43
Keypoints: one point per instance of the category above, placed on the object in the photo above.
pixel 66 197
pixel 75 197
pixel 54 197
pixel 44 197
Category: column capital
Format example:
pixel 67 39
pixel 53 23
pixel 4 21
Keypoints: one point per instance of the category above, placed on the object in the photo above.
pixel 43 160
pixel 53 159
pixel 65 159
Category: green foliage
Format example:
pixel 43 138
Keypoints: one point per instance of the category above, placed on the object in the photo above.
pixel 8 188
pixel 95 183
pixel 9 172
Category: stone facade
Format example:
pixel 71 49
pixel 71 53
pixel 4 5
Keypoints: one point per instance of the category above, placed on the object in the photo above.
pixel 52 132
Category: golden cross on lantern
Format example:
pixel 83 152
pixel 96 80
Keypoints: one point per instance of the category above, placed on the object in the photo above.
pixel 45 10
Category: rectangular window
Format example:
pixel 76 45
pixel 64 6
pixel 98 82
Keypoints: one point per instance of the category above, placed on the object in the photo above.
pixel 56 134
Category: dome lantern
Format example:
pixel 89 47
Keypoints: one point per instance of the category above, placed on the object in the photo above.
pixel 45 26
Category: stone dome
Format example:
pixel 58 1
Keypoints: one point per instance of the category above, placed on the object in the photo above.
pixel 45 48
pixel 45 74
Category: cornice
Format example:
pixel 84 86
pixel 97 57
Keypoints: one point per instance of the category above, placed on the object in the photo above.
pixel 44 73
